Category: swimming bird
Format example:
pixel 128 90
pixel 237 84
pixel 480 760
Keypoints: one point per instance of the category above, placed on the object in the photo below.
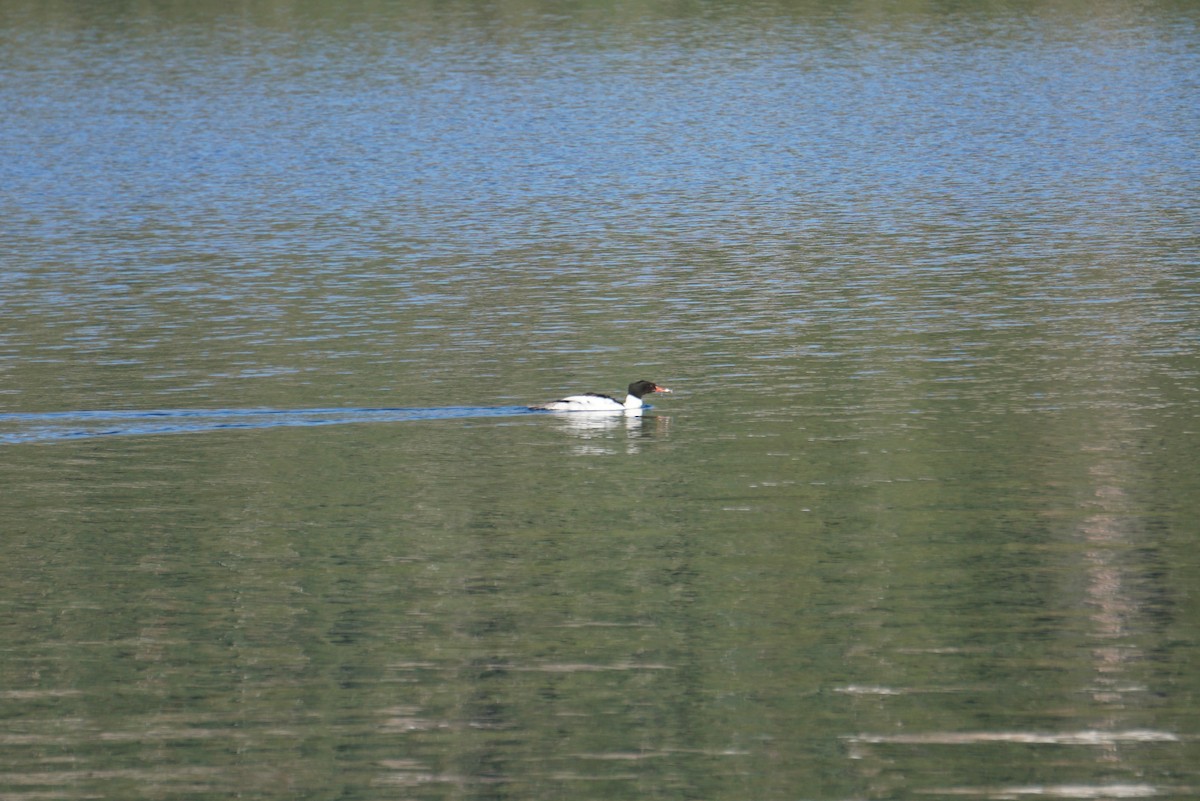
pixel 595 402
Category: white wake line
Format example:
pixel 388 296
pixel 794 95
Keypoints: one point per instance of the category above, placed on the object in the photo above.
pixel 1086 737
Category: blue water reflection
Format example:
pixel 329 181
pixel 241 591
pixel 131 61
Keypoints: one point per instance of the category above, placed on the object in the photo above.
pixel 51 426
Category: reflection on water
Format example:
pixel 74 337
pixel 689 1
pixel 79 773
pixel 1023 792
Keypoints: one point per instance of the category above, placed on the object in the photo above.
pixel 605 433
pixel 922 525
pixel 50 426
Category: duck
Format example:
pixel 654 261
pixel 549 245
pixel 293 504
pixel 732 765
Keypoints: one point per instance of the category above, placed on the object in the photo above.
pixel 595 402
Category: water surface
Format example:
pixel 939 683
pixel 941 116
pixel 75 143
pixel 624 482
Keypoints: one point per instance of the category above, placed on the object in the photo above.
pixel 918 521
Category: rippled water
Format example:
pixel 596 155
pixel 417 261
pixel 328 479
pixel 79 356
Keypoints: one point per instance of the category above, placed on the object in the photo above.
pixel 918 521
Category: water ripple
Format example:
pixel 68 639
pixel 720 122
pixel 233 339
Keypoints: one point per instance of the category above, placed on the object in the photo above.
pixel 27 427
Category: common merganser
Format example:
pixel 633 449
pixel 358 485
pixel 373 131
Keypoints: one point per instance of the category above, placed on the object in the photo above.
pixel 594 402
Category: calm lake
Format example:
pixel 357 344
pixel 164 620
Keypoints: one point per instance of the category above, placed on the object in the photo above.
pixel 920 520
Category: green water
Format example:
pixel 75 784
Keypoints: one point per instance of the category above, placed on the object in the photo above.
pixel 918 521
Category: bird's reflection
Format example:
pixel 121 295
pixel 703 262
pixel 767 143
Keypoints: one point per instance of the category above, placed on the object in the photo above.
pixel 609 433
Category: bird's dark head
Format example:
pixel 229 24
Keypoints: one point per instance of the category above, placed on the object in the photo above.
pixel 639 388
